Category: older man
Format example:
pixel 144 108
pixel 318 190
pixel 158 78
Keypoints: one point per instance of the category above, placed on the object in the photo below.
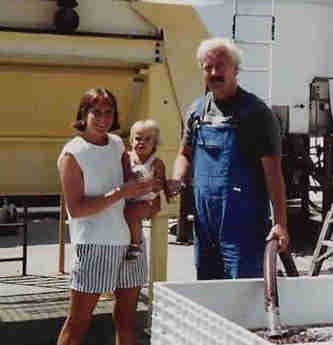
pixel 232 143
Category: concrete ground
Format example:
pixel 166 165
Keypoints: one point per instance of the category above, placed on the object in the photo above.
pixel 33 308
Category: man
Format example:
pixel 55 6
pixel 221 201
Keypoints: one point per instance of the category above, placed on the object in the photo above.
pixel 232 143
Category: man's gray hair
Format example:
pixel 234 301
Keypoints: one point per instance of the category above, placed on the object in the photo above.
pixel 219 44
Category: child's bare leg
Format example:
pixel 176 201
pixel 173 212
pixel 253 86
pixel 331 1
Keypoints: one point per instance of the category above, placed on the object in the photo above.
pixel 134 223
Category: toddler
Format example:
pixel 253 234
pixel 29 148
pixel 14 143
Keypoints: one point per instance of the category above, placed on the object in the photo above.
pixel 144 138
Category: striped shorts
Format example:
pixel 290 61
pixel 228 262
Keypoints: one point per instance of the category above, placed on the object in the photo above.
pixel 103 268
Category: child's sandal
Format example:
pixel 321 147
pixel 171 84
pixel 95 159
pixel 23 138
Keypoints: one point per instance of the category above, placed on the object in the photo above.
pixel 133 252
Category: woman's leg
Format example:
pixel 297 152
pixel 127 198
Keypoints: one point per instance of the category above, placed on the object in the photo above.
pixel 81 306
pixel 124 315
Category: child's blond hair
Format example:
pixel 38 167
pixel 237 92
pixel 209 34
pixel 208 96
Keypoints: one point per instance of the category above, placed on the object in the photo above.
pixel 146 125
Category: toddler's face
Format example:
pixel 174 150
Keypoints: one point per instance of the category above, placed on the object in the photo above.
pixel 144 142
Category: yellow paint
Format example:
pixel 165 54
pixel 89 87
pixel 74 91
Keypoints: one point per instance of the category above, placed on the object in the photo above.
pixel 39 104
pixel 46 49
pixel 158 249
pixel 44 76
pixel 62 227
pixel 44 102
pixel 171 88
pixel 183 30
pixel 163 108
pixel 29 168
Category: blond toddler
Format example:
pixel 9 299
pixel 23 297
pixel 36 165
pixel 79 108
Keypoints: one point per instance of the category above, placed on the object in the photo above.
pixel 143 163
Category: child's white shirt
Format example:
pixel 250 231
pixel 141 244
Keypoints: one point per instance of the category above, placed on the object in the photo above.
pixel 144 170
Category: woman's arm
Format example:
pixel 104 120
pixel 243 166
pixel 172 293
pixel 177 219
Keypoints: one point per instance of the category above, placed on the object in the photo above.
pixel 79 205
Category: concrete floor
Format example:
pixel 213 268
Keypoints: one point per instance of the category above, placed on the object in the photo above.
pixel 33 308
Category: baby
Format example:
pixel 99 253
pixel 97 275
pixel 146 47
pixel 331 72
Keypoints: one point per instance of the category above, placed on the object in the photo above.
pixel 144 138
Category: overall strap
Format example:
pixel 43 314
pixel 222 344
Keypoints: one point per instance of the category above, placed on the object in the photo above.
pixel 196 114
pixel 197 111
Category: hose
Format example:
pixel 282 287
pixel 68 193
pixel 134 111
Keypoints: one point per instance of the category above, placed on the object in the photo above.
pixel 270 281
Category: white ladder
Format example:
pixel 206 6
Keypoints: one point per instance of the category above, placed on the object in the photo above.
pixel 324 246
pixel 237 16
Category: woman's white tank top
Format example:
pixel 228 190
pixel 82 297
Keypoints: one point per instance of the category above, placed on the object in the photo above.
pixel 102 171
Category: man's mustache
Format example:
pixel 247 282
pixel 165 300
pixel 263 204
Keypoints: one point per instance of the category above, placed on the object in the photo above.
pixel 216 79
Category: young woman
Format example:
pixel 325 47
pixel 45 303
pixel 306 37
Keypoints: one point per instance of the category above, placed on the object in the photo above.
pixel 91 173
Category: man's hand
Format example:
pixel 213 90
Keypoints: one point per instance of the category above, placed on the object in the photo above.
pixel 279 233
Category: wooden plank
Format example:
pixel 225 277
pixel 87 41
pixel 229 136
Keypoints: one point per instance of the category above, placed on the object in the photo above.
pixel 61 235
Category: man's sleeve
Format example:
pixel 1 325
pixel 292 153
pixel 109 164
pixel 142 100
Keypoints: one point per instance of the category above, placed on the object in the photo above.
pixel 188 124
pixel 269 136
pixel 187 132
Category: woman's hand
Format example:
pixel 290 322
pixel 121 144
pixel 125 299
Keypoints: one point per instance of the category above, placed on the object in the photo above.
pixel 139 187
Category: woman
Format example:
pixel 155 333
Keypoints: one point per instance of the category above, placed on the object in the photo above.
pixel 91 172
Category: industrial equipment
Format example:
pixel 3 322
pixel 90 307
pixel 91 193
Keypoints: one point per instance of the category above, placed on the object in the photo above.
pixel 307 158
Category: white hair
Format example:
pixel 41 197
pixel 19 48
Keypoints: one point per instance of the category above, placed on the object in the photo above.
pixel 219 44
pixel 146 125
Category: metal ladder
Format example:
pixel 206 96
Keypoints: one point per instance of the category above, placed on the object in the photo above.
pixel 237 16
pixel 324 246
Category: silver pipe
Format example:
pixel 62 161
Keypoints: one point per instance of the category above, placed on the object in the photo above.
pixel 271 292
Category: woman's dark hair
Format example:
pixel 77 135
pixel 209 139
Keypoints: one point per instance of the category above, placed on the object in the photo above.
pixel 89 99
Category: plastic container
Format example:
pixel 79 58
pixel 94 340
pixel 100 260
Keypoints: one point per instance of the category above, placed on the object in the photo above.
pixel 223 312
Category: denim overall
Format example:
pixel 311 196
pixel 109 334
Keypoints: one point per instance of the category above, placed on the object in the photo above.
pixel 231 218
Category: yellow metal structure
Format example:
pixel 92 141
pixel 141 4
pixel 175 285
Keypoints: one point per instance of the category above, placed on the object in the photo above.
pixel 183 30
pixel 41 88
pixel 44 76
pixel 172 87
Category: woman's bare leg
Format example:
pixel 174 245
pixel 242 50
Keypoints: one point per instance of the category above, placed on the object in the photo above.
pixel 81 307
pixel 124 315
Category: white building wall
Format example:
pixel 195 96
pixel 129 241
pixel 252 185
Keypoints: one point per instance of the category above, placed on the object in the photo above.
pixel 303 48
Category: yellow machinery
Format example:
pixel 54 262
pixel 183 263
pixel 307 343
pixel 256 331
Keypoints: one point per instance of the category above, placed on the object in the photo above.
pixel 44 75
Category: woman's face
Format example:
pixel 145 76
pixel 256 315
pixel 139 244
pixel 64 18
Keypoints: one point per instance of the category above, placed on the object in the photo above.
pixel 100 117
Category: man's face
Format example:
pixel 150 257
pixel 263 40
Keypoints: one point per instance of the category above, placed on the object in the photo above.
pixel 220 72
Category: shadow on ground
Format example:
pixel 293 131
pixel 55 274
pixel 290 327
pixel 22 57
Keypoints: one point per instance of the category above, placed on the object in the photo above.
pixel 45 332
pixel 30 318
pixel 40 232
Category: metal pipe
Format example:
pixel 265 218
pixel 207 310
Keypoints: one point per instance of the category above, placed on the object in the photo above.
pixel 271 291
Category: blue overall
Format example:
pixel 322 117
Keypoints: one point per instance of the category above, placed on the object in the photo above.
pixel 231 218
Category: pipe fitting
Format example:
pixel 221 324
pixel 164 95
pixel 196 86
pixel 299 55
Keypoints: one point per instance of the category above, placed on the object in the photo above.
pixel 274 322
